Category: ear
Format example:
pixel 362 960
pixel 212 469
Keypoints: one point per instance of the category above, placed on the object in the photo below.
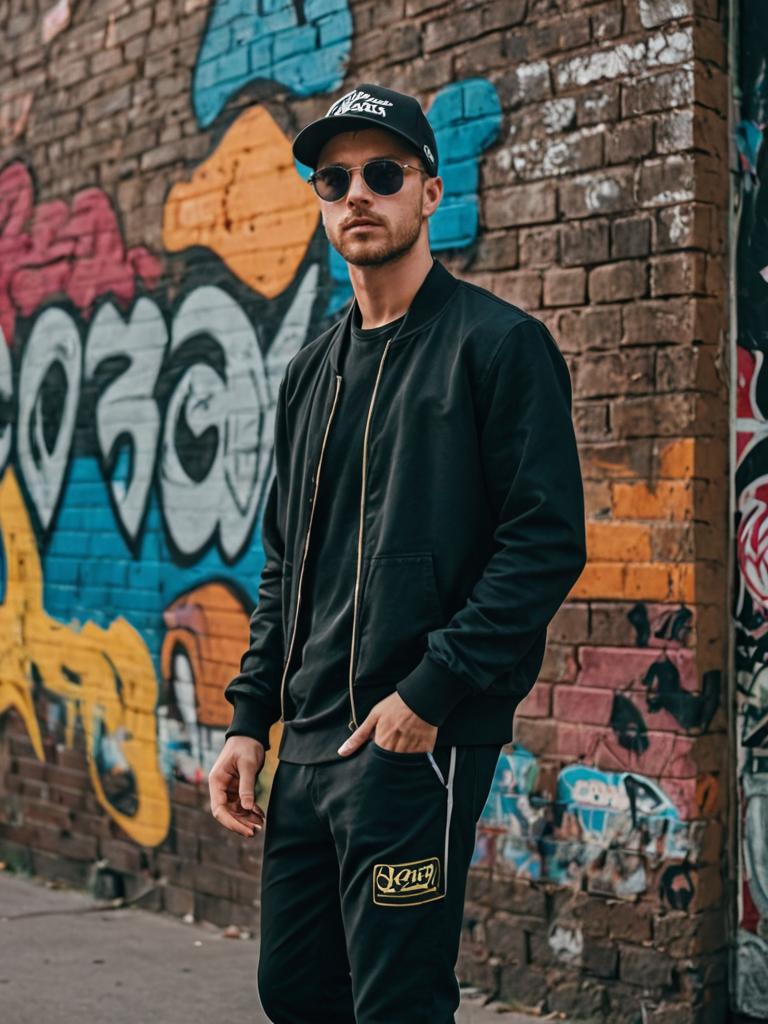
pixel 433 193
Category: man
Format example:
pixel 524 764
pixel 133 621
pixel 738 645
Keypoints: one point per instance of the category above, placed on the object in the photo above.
pixel 425 523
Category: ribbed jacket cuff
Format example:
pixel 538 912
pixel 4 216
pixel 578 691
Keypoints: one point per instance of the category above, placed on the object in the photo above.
pixel 432 691
pixel 248 719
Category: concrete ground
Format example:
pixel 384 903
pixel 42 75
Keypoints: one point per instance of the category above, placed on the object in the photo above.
pixel 65 958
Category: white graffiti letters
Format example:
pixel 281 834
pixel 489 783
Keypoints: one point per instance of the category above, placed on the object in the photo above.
pixel 214 440
pixel 49 388
pixel 231 404
pixel 126 411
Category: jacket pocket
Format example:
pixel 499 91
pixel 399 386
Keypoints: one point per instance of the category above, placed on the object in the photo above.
pixel 399 605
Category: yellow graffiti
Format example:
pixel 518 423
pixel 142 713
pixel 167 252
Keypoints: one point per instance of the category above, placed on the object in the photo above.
pixel 248 204
pixel 104 677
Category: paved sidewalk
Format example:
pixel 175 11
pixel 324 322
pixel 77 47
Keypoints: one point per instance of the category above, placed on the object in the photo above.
pixel 64 958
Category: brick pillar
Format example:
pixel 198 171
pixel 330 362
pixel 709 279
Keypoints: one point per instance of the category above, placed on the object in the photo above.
pixel 599 884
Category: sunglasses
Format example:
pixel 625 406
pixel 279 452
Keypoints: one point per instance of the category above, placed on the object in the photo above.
pixel 383 176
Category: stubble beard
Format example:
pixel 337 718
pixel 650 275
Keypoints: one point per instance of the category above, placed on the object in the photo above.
pixel 376 254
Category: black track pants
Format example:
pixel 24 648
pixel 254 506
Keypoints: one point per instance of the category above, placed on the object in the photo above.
pixel 363 884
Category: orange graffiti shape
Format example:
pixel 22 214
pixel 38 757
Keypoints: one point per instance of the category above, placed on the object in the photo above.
pixel 248 204
pixel 208 626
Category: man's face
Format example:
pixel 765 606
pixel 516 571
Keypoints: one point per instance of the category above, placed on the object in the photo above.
pixel 392 223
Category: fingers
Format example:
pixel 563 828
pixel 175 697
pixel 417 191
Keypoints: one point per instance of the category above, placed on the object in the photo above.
pixel 247 783
pixel 217 787
pixel 234 822
pixel 231 784
pixel 227 809
pixel 359 736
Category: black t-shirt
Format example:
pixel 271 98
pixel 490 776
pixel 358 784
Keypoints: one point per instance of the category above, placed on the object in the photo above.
pixel 317 688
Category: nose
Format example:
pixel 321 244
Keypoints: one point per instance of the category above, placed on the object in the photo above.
pixel 358 190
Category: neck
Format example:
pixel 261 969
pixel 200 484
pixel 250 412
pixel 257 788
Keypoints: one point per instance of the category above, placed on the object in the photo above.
pixel 385 292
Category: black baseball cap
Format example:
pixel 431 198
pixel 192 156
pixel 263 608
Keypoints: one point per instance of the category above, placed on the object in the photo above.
pixel 370 106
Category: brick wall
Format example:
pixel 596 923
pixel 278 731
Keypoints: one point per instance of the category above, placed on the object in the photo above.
pixel 150 213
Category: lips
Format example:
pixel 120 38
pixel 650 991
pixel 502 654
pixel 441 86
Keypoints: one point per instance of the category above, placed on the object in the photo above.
pixel 361 224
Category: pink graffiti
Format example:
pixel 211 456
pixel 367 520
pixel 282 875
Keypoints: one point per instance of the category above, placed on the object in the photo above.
pixel 53 250
pixel 752 543
pixel 751 429
pixel 750 420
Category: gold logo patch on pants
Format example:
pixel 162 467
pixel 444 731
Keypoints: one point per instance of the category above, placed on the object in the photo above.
pixel 403 885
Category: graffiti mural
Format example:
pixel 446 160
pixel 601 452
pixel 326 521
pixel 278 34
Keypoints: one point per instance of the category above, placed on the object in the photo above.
pixel 137 446
pixel 751 490
pixel 303 46
pixel 626 816
pixel 137 394
pixel 98 679
pixel 200 653
pixel 607 827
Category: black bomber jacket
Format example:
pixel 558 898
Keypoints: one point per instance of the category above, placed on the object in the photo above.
pixel 471 530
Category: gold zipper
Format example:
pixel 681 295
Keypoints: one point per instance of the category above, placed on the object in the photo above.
pixel 353 723
pixel 306 546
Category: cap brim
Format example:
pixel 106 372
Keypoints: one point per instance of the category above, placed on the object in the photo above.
pixel 310 140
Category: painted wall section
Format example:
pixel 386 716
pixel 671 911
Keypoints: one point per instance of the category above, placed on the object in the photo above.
pixel 303 46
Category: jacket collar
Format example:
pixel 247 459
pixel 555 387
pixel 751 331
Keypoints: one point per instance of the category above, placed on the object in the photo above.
pixel 428 303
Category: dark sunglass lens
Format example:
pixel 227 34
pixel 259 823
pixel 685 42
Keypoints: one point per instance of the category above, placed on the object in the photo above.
pixel 384 176
pixel 331 183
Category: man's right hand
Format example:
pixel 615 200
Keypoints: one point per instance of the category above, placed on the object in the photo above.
pixel 232 782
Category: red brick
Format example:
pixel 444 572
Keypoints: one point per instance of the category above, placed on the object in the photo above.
pixel 479 57
pixel 695 368
pixel 177 901
pixel 662 91
pixel 505 938
pixel 631 236
pixel 646 967
pixel 582 704
pixel 662 416
pixel 629 140
pixel 684 226
pixel 519 205
pixel 537 735
pixel 613 373
pixel 584 242
pixel 604 192
pixel 599 105
pixel 496 251
pixel 616 282
pixel 570 624
pixel 588 328
pixel 564 287
pixel 538 703
pixel 592 423
pixel 680 274
pixel 520 287
pixel 648 322
pixel 215 851
pixel 471 23
pixel 122 856
pixel 136 24
pixel 538 246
